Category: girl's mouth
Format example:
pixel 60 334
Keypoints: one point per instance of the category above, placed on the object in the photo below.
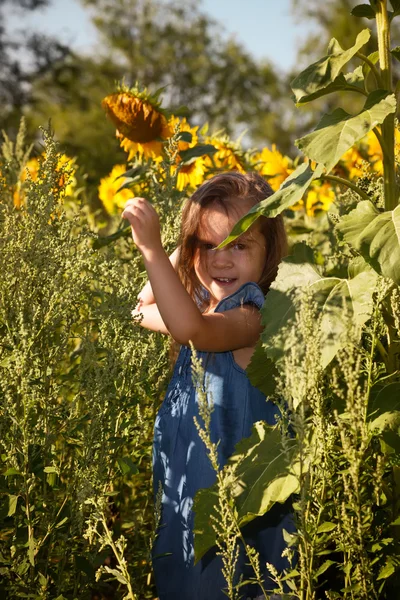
pixel 224 281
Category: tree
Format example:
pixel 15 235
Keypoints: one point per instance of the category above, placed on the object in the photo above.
pixel 173 44
pixel 17 73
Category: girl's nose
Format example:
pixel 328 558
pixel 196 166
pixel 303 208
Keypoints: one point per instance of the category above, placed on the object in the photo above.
pixel 222 258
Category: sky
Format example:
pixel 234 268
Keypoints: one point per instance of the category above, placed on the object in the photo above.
pixel 265 28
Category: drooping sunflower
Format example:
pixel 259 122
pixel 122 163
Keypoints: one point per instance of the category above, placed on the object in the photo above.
pixel 112 200
pixel 140 121
pixel 274 166
pixel 154 149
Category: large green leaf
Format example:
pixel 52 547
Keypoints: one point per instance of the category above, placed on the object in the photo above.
pixel 376 235
pixel 262 371
pixel 339 131
pixel 264 477
pixel 191 154
pixel 290 192
pixel 363 10
pixel 384 410
pixel 319 77
pixel 331 294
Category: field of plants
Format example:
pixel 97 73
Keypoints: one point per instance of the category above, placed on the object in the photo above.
pixel 81 381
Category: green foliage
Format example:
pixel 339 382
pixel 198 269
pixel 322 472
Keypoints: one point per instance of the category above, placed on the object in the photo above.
pixel 376 236
pixel 78 388
pixel 339 131
pixel 331 340
pixel 265 473
pixel 290 192
pixel 325 75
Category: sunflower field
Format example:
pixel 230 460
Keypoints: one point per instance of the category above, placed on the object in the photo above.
pixel 80 381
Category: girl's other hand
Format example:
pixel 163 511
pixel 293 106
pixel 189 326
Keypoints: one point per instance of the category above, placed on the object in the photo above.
pixel 145 224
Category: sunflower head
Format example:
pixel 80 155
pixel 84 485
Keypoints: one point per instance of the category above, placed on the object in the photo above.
pixel 112 199
pixel 274 166
pixel 137 115
pixel 229 155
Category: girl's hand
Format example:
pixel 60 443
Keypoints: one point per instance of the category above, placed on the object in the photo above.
pixel 145 224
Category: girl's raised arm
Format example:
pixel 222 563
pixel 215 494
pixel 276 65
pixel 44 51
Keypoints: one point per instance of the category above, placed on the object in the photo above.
pixel 146 295
pixel 178 313
pixel 147 307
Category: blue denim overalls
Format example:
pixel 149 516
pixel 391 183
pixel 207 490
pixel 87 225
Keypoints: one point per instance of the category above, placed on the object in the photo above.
pixel 181 464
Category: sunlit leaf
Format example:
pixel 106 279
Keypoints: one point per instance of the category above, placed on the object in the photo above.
pixel 373 57
pixel 330 295
pixel 324 567
pixel 339 131
pixel 320 75
pixel 127 466
pixel 387 570
pixel 262 371
pixel 12 505
pixel 263 478
pixel 290 192
pixel 376 235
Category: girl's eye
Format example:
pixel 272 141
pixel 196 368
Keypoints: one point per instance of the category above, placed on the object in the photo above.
pixel 208 246
pixel 239 246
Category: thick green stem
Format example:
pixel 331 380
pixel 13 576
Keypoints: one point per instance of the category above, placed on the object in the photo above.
pixel 389 173
pixel 347 183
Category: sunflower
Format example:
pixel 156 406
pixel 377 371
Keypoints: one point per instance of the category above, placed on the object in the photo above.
pixel 140 121
pixel 31 169
pixel 374 151
pixel 319 198
pixel 67 179
pixel 229 155
pixel 154 149
pixel 353 163
pixel 192 174
pixel 66 183
pixel 108 190
pixel 274 166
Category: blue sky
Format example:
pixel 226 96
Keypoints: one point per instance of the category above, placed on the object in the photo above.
pixel 265 27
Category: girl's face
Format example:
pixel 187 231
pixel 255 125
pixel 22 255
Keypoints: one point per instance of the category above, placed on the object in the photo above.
pixel 222 272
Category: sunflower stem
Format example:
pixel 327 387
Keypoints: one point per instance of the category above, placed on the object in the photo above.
pixel 347 183
pixel 391 191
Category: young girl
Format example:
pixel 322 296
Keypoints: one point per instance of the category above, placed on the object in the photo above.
pixel 212 298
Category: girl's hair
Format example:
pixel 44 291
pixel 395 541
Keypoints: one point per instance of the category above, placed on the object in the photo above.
pixel 222 189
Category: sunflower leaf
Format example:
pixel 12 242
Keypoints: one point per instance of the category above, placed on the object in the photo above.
pixel 338 131
pixel 329 293
pixel 263 479
pixel 290 192
pixel 320 75
pixel 189 155
pixel 396 52
pixel 363 10
pixel 376 236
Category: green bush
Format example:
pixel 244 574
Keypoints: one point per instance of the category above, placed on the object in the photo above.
pixel 78 390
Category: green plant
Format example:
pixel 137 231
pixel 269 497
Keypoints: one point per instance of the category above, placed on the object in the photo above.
pixel 78 390
pixel 329 351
